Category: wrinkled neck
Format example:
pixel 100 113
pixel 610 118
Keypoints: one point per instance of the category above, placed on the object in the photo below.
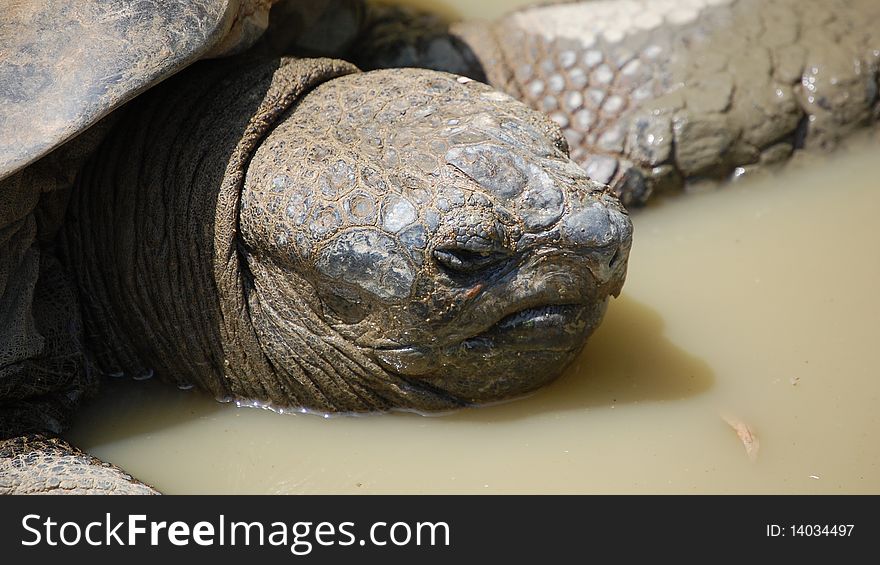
pixel 152 229
pixel 314 366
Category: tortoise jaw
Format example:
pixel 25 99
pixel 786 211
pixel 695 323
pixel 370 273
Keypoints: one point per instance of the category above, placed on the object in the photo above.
pixel 518 354
pixel 549 327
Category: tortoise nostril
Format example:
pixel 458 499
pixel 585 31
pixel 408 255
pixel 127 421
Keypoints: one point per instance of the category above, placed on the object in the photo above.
pixel 614 258
pixel 589 228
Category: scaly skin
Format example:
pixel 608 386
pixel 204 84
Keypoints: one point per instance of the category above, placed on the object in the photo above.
pixel 391 240
pixel 36 464
pixel 296 234
pixel 656 95
pixel 396 239
pixel 652 94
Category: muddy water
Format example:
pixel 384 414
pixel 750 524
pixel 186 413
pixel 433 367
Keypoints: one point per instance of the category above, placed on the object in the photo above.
pixel 756 304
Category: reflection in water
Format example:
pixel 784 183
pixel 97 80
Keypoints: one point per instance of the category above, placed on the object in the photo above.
pixel 145 407
pixel 179 441
pixel 627 360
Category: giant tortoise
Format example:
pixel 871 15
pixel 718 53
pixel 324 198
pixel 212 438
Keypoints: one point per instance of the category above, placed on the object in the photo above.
pixel 286 231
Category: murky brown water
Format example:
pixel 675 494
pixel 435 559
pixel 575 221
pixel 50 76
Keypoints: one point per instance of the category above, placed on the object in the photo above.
pixel 757 304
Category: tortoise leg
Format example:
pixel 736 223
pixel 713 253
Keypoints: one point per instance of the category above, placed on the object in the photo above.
pixel 662 98
pixel 38 464
pixel 402 36
pixel 370 35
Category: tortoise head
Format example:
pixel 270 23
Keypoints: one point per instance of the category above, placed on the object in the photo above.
pixel 432 234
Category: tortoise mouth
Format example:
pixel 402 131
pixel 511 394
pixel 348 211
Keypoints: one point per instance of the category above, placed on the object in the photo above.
pixel 549 327
pixel 518 354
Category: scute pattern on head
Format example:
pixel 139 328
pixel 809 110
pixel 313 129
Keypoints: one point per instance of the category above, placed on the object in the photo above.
pixel 299 235
pixel 371 259
pixel 376 165
pixel 401 203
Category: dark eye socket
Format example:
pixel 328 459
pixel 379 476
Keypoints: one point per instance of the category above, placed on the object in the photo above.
pixel 344 309
pixel 466 261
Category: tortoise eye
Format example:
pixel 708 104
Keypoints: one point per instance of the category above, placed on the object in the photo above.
pixel 465 261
